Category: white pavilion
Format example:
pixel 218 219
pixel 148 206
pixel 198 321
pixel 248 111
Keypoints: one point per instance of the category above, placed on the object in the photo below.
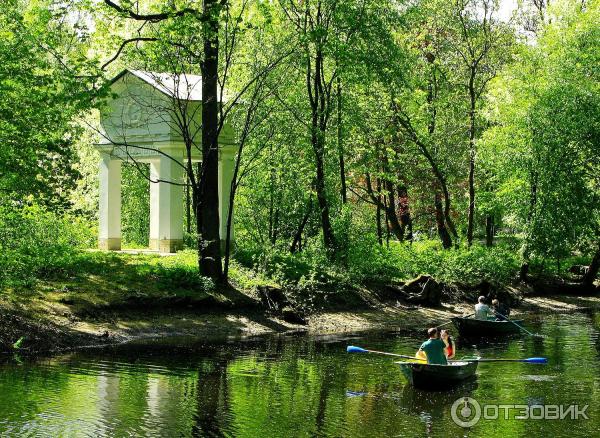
pixel 141 123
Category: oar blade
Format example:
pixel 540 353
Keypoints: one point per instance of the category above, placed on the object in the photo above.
pixel 353 349
pixel 540 360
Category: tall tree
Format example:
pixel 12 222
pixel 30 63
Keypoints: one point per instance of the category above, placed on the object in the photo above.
pixel 43 84
pixel 175 32
pixel 481 43
pixel 545 139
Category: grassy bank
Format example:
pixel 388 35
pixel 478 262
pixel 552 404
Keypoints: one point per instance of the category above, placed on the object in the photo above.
pixel 88 297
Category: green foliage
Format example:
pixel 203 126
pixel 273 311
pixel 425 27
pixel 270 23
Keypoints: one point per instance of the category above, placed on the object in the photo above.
pixel 171 273
pixel 404 261
pixel 39 96
pixel 369 262
pixel 17 345
pixel 543 152
pixel 135 208
pixel 180 271
pixel 410 99
pixel 36 243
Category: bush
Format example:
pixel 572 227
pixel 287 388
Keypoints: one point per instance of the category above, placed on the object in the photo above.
pixel 402 261
pixel 180 272
pixel 307 269
pixel 369 262
pixel 35 243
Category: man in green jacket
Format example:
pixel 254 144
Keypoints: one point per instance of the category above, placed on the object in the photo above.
pixel 434 348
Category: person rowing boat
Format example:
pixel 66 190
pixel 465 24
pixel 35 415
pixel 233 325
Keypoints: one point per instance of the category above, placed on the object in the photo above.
pixel 433 349
pixel 482 310
pixel 501 310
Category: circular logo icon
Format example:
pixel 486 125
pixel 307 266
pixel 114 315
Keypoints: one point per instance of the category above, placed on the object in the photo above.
pixel 466 412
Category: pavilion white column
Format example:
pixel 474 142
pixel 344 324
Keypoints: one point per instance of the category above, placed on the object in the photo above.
pixel 109 235
pixel 166 205
pixel 226 168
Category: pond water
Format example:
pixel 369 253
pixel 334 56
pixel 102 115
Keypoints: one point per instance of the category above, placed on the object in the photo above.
pixel 298 386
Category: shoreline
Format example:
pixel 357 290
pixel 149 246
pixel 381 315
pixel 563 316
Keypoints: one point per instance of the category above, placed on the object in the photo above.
pixel 57 335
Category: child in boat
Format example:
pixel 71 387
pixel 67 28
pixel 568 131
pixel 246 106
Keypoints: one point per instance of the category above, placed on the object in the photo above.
pixel 482 310
pixel 450 349
pixel 500 310
pixel 433 348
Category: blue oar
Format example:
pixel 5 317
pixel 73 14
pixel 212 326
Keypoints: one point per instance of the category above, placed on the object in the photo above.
pixel 536 360
pixel 352 349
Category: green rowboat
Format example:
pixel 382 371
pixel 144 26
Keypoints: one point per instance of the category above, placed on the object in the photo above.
pixel 477 327
pixel 427 376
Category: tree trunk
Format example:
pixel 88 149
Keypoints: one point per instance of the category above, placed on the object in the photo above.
pixel 387 222
pixel 471 215
pixel 524 272
pixel 532 197
pixel 404 211
pixel 441 225
pixel 592 273
pixel 489 230
pixel 234 186
pixel 275 227
pixel 188 207
pixel 271 199
pixel 343 189
pixel 378 213
pixel 432 95
pixel 209 240
pixel 388 204
pixel 297 242
pixel 392 216
pixel 318 128
pixel 328 237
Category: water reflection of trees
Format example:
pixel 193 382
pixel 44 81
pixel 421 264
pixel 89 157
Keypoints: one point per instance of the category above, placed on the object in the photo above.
pixel 212 398
pixel 297 386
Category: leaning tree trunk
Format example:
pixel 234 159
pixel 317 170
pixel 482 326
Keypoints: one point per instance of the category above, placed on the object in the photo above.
pixel 592 273
pixel 441 225
pixel 392 216
pixel 297 241
pixel 388 204
pixel 209 244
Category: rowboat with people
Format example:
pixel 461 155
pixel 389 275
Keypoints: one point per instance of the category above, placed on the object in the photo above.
pixel 429 376
pixel 423 374
pixel 481 327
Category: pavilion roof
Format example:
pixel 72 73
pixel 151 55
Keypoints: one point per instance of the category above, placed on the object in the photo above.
pixel 182 86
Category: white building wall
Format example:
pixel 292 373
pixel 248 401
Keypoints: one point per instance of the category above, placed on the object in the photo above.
pixel 166 203
pixel 109 235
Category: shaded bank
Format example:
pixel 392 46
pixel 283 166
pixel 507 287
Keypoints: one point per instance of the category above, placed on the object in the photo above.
pixel 56 325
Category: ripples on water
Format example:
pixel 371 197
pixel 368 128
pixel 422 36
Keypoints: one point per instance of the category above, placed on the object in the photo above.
pixel 295 385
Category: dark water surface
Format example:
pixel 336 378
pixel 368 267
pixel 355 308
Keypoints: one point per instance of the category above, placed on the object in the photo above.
pixel 297 386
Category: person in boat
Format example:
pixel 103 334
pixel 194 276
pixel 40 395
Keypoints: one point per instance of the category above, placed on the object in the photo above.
pixel 450 349
pixel 482 310
pixel 501 310
pixel 433 348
